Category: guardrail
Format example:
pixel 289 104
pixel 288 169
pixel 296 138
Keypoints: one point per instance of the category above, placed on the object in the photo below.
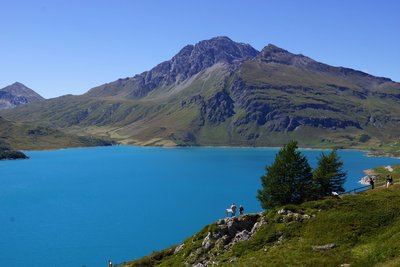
pixel 357 190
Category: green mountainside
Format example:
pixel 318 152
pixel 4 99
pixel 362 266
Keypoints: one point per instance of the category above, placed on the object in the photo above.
pixel 33 137
pixel 219 92
pixel 357 230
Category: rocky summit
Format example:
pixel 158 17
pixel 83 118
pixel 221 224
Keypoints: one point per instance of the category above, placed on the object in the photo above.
pixel 17 94
pixel 221 92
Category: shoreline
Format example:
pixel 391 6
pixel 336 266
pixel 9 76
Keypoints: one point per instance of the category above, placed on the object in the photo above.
pixel 368 153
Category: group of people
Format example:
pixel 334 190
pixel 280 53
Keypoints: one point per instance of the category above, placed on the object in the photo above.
pixel 232 210
pixel 389 181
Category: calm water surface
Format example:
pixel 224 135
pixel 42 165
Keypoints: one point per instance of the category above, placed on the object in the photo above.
pixel 78 207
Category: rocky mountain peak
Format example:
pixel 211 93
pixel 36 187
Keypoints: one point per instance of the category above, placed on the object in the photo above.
pixel 189 61
pixel 272 53
pixel 19 89
pixel 223 49
pixel 17 94
pixel 194 58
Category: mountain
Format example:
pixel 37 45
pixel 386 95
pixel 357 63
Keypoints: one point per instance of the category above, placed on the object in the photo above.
pixel 220 92
pixel 17 94
pixel 357 230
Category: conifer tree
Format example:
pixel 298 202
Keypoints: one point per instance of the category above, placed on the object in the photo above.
pixel 288 180
pixel 329 176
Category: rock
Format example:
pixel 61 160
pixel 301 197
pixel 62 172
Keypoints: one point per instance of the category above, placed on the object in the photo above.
pixel 242 236
pixel 282 212
pixel 324 247
pixel 221 222
pixel 289 216
pixel 179 248
pixel 232 230
pixel 207 241
pixel 258 225
pixel 345 265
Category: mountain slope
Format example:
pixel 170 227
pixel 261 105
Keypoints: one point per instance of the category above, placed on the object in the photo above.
pixel 358 230
pixel 30 136
pixel 219 92
pixel 17 94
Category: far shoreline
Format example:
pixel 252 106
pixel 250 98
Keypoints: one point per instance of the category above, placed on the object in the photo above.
pixel 368 153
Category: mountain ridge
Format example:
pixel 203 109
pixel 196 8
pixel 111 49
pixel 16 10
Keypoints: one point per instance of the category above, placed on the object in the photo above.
pixel 219 92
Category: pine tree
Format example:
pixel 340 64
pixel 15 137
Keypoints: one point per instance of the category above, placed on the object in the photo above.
pixel 288 180
pixel 329 176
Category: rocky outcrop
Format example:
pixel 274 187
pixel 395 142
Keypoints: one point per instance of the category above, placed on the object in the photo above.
pixel 226 233
pixel 230 231
pixel 17 94
pixel 216 109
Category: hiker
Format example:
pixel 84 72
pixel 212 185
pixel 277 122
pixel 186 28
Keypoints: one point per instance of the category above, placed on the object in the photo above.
pixel 372 182
pixel 233 208
pixel 389 180
pixel 109 263
pixel 227 212
pixel 241 209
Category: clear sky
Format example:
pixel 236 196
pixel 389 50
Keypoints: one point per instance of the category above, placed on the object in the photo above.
pixel 67 47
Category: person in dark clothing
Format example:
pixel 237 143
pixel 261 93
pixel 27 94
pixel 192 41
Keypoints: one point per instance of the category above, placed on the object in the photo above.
pixel 389 180
pixel 241 210
pixel 372 182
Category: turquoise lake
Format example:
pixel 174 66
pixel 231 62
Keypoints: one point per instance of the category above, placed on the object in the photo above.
pixel 78 207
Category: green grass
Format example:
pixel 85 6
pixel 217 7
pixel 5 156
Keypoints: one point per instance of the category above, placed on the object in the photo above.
pixel 26 136
pixel 365 228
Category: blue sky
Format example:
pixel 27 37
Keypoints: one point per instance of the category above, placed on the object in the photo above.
pixel 67 47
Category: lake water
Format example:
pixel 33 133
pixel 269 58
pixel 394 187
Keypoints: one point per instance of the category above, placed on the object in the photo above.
pixel 78 207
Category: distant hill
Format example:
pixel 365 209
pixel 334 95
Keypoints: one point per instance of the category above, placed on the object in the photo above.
pixel 17 94
pixel 220 92
pixel 28 136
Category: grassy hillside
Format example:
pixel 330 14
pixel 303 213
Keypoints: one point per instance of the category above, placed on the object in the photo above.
pixel 30 136
pixel 359 230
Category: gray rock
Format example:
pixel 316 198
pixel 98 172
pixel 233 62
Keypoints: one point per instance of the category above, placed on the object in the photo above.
pixel 242 236
pixel 282 212
pixel 179 248
pixel 324 247
pixel 258 225
pixel 207 241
